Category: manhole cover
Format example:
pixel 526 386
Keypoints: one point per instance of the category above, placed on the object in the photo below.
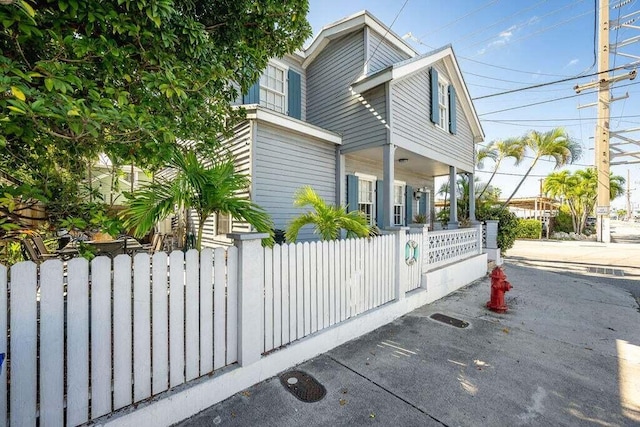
pixel 604 270
pixel 449 320
pixel 303 386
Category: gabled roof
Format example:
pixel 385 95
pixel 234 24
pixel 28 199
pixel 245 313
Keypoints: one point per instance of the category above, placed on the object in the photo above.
pixel 418 63
pixel 349 25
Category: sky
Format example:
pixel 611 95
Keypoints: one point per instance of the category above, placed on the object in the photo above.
pixel 503 45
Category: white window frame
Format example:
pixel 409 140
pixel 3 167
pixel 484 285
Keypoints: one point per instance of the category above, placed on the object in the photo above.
pixel 371 218
pixel 220 231
pixel 265 89
pixel 443 103
pixel 399 209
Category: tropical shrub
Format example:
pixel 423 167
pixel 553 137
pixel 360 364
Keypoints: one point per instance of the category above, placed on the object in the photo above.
pixel 563 221
pixel 528 229
pixel 507 225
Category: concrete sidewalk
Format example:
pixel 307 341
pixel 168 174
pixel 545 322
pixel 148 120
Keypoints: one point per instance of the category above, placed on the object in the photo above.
pixel 567 353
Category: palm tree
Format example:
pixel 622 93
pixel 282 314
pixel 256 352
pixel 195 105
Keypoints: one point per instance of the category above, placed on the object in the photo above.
pixel 205 189
pixel 555 144
pixel 328 220
pixel 498 151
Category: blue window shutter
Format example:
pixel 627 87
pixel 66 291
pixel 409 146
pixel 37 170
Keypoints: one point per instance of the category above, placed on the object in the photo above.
pixel 295 95
pixel 422 205
pixel 452 110
pixel 253 96
pixel 435 108
pixel 380 203
pixel 352 193
pixel 408 201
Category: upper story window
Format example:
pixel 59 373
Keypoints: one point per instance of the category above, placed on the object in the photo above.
pixel 443 104
pixel 366 198
pixel 272 88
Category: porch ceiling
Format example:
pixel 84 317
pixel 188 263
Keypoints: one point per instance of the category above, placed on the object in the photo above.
pixel 415 163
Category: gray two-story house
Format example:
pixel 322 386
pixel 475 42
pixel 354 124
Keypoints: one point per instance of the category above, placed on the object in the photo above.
pixel 362 118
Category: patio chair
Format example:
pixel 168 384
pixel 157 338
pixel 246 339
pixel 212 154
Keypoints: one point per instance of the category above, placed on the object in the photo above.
pixel 156 245
pixel 28 245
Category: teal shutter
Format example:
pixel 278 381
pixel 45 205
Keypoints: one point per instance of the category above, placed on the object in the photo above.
pixel 422 205
pixel 253 96
pixel 380 203
pixel 408 201
pixel 435 110
pixel 295 95
pixel 352 193
pixel 452 110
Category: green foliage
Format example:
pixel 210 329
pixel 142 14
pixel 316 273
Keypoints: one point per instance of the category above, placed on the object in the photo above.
pixel 528 229
pixel 205 189
pixel 328 220
pixel 420 219
pixel 562 222
pixel 507 225
pixel 128 78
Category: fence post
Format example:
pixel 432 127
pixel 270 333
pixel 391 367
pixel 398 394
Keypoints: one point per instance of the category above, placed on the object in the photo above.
pixel 400 277
pixel 493 251
pixel 479 228
pixel 250 295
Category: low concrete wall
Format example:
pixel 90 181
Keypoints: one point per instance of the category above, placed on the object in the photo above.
pixel 442 281
pixel 176 405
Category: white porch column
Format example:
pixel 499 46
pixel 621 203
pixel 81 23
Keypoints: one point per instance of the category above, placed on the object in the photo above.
pixel 341 194
pixel 388 155
pixel 453 202
pixel 472 198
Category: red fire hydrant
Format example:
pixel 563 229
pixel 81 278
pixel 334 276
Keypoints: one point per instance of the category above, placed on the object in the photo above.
pixel 499 286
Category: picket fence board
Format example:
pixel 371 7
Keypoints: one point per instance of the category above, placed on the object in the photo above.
pixel 3 344
pixel 328 290
pixel 192 315
pixel 52 343
pixel 219 309
pixel 206 311
pixel 77 341
pixel 293 293
pixel 122 338
pixel 100 336
pixel 176 318
pixel 160 331
pixel 141 327
pixel 277 297
pixel 232 305
pixel 341 256
pixel 23 343
pixel 268 298
pixel 285 293
pixel 300 290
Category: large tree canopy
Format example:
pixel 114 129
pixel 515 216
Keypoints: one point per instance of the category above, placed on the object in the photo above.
pixel 128 77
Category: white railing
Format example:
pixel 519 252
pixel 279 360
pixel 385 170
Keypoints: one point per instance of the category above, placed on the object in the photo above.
pixel 447 246
pixel 311 286
pixel 106 334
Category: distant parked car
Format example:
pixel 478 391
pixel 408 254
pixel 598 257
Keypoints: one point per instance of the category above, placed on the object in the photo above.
pixel 591 221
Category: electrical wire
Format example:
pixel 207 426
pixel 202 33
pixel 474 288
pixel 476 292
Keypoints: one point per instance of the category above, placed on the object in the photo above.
pixel 552 120
pixel 460 18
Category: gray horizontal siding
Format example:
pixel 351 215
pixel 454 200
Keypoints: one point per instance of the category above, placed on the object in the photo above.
pixel 330 103
pixel 284 162
pixel 412 128
pixel 383 53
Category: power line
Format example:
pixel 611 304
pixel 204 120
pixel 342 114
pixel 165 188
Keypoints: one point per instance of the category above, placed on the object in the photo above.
pixel 547 83
pixel 548 101
pixel 460 18
pixel 513 174
pixel 552 120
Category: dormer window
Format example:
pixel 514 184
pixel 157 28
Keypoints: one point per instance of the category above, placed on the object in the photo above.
pixel 272 89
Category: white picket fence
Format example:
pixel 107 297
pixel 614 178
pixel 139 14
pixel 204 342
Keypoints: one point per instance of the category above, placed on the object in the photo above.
pixel 311 286
pixel 106 334
pixel 85 339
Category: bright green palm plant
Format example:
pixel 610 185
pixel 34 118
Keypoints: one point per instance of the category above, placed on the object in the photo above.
pixel 207 190
pixel 328 220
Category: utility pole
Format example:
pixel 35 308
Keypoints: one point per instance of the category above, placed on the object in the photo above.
pixel 602 149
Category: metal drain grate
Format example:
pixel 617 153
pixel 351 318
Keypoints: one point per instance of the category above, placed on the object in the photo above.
pixel 449 320
pixel 303 386
pixel 604 270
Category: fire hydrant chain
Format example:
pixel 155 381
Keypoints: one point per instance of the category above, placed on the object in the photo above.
pixel 499 286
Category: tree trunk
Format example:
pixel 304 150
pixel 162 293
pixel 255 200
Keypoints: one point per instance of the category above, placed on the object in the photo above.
pixel 505 204
pixel 495 169
pixel 200 230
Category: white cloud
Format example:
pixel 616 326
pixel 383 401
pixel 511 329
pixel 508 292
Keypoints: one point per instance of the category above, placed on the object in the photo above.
pixel 572 63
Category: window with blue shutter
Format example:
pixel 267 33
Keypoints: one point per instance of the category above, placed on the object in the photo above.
pixel 253 95
pixel 435 108
pixel 423 204
pixel 408 205
pixel 295 95
pixel 452 110
pixel 352 193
